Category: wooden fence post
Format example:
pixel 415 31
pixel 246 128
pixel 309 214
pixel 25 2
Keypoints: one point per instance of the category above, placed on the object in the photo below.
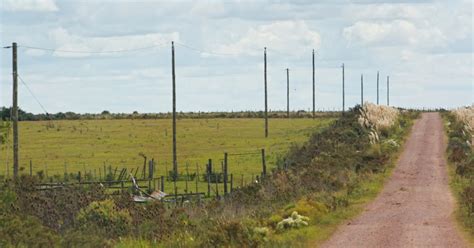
pixel 231 182
pixel 31 168
pixel 162 182
pixel 136 171
pixel 208 185
pixel 197 177
pixel 264 165
pixel 150 169
pixel 210 166
pixel 144 168
pixel 216 182
pixel 225 174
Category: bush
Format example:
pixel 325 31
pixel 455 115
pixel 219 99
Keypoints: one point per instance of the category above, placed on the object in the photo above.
pixel 458 149
pixel 294 221
pixel 307 207
pixel 55 208
pixel 77 238
pixel 226 233
pixel 25 231
pixel 105 217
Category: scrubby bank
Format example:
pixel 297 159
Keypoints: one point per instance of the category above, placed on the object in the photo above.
pixel 460 130
pixel 313 180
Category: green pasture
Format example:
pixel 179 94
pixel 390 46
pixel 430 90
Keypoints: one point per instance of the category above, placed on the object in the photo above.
pixel 55 147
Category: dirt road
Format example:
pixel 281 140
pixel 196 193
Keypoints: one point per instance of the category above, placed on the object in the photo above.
pixel 415 207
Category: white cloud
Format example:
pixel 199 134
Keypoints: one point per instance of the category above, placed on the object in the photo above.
pixel 29 5
pixel 70 42
pixel 388 11
pixel 396 32
pixel 289 37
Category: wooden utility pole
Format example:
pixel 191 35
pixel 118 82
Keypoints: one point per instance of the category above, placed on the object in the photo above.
pixel 377 87
pixel 314 90
pixel 362 90
pixel 343 88
pixel 288 92
pixel 175 161
pixel 15 110
pixel 265 82
pixel 388 91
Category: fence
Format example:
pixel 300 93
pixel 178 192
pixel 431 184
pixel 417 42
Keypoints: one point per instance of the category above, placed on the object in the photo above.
pixel 216 180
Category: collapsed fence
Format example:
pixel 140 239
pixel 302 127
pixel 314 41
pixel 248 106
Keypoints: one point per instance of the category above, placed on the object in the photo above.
pixel 216 180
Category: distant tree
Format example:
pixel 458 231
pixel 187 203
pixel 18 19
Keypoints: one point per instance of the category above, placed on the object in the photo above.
pixel 105 112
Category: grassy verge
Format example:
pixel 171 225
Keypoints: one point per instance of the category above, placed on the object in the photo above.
pixel 463 220
pixel 461 174
pixel 326 225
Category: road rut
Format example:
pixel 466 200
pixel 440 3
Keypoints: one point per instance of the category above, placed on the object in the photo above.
pixel 415 207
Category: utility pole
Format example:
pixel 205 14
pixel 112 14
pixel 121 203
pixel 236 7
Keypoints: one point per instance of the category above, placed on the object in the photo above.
pixel 377 87
pixel 15 110
pixel 343 88
pixel 314 90
pixel 175 161
pixel 362 90
pixel 265 81
pixel 388 91
pixel 288 92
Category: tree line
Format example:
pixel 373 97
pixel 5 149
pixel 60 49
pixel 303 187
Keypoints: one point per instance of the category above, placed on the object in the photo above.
pixel 5 115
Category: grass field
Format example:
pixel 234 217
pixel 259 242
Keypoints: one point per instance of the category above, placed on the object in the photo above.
pixel 88 145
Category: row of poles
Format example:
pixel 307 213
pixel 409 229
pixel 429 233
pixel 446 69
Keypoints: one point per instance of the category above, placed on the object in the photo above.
pixel 14 115
pixel 362 89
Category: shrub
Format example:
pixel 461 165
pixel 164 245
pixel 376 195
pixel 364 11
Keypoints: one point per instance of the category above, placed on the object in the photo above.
pixel 25 231
pixel 78 238
pixel 55 208
pixel 468 198
pixel 104 216
pixel 225 233
pixel 294 221
pixel 307 207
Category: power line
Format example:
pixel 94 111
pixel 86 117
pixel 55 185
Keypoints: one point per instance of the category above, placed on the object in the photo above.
pixel 206 52
pixel 93 52
pixel 32 94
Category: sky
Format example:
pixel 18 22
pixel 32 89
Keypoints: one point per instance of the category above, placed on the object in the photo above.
pixel 426 47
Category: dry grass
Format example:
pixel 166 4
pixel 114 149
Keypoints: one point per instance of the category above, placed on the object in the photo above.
pixel 377 117
pixel 466 116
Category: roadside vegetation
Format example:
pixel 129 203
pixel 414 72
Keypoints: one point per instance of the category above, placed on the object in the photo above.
pixel 314 186
pixel 460 130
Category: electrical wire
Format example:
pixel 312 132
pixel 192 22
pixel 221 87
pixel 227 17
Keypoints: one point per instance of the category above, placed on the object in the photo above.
pixel 205 52
pixel 33 95
pixel 93 52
